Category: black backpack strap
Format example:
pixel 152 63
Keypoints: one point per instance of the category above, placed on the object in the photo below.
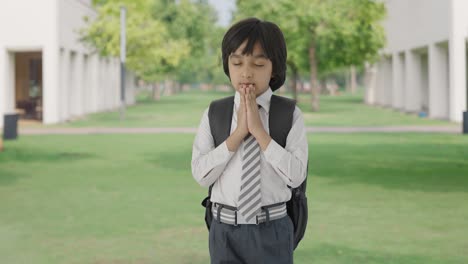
pixel 281 118
pixel 219 113
pixel 220 118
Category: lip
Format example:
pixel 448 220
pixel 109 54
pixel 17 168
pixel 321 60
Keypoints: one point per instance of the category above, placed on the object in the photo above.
pixel 247 84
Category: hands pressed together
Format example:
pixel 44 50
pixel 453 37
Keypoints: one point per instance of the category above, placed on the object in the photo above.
pixel 248 121
pixel 248 118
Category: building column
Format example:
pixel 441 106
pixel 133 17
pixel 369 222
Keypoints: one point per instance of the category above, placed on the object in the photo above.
pixel 424 81
pixel 85 85
pixel 413 86
pixel 78 85
pixel 101 88
pixel 7 83
pixel 457 60
pixel 116 82
pixel 94 81
pixel 64 85
pixel 370 83
pixel 51 82
pixel 388 82
pixel 398 81
pixel 438 82
pixel 72 87
pixel 380 82
pixel 3 82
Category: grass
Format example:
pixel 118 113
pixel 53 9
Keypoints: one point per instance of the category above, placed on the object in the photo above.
pixel 186 109
pixel 373 198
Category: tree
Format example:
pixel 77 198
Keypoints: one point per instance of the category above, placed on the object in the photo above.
pixel 330 34
pixel 195 22
pixel 150 48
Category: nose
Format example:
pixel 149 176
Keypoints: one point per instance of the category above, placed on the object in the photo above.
pixel 246 73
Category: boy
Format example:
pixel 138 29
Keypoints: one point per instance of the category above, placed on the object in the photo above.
pixel 249 170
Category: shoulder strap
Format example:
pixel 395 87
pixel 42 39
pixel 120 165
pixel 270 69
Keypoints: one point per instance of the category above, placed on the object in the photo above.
pixel 220 118
pixel 281 118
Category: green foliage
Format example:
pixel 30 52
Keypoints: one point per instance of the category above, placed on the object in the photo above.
pixel 195 22
pixel 344 32
pixel 165 38
pixel 149 46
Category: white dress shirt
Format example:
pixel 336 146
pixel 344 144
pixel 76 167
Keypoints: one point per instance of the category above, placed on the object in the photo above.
pixel 279 167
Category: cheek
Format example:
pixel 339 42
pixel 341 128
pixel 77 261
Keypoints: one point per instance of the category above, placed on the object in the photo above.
pixel 232 72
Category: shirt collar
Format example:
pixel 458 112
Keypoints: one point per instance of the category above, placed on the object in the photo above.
pixel 263 100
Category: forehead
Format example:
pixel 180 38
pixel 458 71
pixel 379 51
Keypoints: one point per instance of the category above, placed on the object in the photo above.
pixel 257 51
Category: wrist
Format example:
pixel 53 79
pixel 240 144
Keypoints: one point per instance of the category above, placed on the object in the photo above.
pixel 259 132
pixel 263 138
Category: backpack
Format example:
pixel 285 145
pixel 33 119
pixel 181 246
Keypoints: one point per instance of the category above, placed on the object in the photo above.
pixel 282 109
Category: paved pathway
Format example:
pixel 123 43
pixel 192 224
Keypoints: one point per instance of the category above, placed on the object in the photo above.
pixel 191 130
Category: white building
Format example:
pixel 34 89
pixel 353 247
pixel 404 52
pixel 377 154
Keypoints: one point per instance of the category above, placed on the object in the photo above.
pixel 46 73
pixel 424 65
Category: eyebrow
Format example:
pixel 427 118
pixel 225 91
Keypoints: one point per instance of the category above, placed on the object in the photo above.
pixel 258 56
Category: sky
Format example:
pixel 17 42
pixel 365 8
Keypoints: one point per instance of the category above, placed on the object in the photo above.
pixel 224 8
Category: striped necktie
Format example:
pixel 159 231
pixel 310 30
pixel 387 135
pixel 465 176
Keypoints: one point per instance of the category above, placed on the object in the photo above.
pixel 250 195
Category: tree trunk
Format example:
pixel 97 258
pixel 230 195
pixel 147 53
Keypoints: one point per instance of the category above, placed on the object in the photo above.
pixel 353 80
pixel 294 86
pixel 156 91
pixel 293 82
pixel 177 86
pixel 348 81
pixel 168 87
pixel 314 87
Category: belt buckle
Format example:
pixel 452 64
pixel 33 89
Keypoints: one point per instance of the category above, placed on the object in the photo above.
pixel 235 218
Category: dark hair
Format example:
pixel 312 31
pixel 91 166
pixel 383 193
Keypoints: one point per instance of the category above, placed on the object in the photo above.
pixel 269 36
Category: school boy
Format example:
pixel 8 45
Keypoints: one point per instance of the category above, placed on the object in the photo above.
pixel 249 171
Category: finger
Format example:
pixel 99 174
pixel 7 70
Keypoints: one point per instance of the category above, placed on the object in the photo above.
pixel 252 91
pixel 252 96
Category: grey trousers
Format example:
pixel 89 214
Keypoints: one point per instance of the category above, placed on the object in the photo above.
pixel 269 243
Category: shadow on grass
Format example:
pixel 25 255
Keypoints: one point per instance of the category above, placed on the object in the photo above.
pixel 327 253
pixel 423 167
pixel 17 153
pixel 17 156
pixel 173 159
pixel 8 176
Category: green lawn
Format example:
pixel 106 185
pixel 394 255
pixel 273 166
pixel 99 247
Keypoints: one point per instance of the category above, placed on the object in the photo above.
pixel 373 198
pixel 186 109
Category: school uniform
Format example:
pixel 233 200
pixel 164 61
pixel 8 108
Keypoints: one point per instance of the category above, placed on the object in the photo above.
pixel 267 237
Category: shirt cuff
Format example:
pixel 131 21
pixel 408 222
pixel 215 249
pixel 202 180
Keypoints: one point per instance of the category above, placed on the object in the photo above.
pixel 274 153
